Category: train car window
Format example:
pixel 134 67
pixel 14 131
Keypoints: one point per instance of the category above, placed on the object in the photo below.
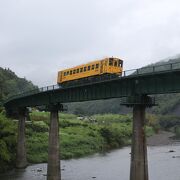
pixel 84 69
pixel 89 67
pixel 81 69
pixel 110 62
pixel 93 67
pixel 115 63
pixel 97 66
pixel 120 64
pixel 74 71
pixel 70 72
pixel 67 73
pixel 77 71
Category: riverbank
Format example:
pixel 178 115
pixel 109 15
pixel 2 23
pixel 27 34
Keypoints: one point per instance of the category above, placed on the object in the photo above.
pixel 162 138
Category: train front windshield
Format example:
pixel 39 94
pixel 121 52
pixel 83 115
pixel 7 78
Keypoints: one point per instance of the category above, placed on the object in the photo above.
pixel 120 63
pixel 115 62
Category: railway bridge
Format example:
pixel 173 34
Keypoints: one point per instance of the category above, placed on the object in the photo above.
pixel 135 87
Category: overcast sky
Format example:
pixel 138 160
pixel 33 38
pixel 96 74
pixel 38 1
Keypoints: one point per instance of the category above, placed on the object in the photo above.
pixel 40 37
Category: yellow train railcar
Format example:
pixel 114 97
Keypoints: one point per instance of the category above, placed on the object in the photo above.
pixel 96 68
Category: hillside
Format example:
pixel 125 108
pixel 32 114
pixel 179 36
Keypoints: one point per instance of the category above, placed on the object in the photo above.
pixel 173 105
pixel 11 84
pixel 113 105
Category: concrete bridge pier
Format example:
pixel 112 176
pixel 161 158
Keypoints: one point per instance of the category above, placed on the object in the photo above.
pixel 53 169
pixel 139 163
pixel 21 158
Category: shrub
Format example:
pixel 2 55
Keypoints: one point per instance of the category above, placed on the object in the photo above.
pixel 39 116
pixel 68 123
pixel 115 136
pixel 177 132
pixel 38 126
pixel 168 122
pixel 7 143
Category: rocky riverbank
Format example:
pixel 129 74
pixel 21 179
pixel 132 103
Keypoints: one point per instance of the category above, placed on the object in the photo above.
pixel 161 138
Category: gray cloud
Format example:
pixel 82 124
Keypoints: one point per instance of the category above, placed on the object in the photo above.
pixel 37 38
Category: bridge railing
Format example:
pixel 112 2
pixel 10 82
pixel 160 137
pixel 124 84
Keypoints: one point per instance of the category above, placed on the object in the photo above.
pixel 176 65
pixel 129 72
pixel 34 91
pixel 132 72
pixel 153 69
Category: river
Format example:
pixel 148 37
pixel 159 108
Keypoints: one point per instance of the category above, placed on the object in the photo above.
pixel 114 165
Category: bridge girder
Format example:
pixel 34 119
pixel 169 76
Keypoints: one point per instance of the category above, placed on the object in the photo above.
pixel 146 84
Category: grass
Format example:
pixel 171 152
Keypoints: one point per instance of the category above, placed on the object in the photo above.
pixel 112 118
pixel 37 147
pixel 79 141
pixel 77 137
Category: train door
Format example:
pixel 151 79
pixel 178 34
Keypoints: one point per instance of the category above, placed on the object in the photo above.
pixel 101 67
pixel 110 65
pixel 59 80
pixel 104 66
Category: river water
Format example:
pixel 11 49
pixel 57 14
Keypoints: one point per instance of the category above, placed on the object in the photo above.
pixel 115 165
